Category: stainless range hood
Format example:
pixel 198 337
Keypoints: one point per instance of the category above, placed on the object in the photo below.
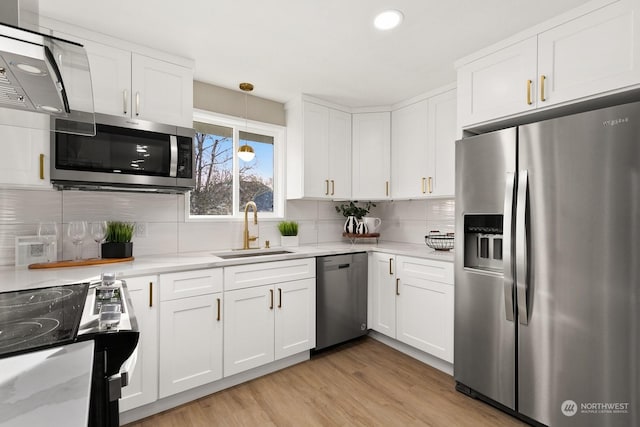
pixel 42 74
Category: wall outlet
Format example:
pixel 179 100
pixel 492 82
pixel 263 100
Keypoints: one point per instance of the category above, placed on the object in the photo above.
pixel 141 229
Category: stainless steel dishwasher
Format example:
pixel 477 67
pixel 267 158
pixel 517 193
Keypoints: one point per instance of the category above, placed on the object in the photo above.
pixel 341 298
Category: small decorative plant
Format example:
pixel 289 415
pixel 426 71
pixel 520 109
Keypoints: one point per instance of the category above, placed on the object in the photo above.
pixel 288 228
pixel 351 209
pixel 118 240
pixel 119 232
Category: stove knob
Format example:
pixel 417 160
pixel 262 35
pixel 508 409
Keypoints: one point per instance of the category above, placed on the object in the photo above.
pixel 108 279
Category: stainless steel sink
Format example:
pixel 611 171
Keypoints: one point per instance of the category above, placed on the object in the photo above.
pixel 249 254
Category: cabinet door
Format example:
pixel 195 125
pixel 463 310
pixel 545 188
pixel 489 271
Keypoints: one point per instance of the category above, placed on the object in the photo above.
pixel 316 136
pixel 589 55
pixel 371 156
pixel 248 328
pixel 161 91
pixel 409 151
pixel 382 287
pixel 339 155
pixel 25 154
pixel 442 143
pixel 425 308
pixel 143 384
pixel 496 85
pixel 111 78
pixel 190 343
pixel 295 317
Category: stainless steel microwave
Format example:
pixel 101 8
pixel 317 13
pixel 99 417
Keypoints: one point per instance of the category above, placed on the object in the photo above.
pixel 125 154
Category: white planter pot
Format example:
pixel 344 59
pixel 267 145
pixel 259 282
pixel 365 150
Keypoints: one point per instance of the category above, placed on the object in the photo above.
pixel 289 240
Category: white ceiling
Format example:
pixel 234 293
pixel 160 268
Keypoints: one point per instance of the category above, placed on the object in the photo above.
pixel 325 48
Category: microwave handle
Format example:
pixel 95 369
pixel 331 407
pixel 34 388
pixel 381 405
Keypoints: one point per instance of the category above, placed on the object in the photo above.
pixel 173 167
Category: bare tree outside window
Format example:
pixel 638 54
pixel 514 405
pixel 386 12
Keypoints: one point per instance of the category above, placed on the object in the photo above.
pixel 214 151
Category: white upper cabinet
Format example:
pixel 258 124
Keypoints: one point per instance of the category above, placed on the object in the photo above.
pixel 134 81
pixel 25 155
pixel 499 84
pixel 371 152
pixel 318 151
pixel 161 91
pixel 111 78
pixel 590 53
pixel 423 148
pixel 409 150
pixel 593 54
pixel 442 145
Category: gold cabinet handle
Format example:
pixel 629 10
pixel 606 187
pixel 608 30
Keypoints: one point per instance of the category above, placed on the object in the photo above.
pixel 137 103
pixel 542 80
pixel 150 294
pixel 397 286
pixel 391 266
pixel 529 101
pixel 271 293
pixel 430 185
pixel 333 187
pixel 218 318
pixel 41 166
pixel 279 297
pixel 125 96
pixel 424 181
pixel 387 188
pixel 326 183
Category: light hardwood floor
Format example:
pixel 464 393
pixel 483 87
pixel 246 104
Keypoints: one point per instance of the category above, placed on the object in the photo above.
pixel 362 383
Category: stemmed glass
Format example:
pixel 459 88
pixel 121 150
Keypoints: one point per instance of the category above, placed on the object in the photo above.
pixel 77 231
pixel 48 234
pixel 99 232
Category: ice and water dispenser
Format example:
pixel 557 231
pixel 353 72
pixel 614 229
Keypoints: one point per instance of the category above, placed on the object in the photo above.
pixel 483 242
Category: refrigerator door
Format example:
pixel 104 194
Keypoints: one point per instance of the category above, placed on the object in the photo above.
pixel 579 345
pixel 484 347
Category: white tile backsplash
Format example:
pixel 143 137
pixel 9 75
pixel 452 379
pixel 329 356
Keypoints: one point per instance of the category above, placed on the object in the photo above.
pixel 167 231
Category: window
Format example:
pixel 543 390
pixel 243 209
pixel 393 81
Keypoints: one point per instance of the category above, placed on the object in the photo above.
pixel 225 183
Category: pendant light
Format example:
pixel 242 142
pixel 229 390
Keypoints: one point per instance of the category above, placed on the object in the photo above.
pixel 245 152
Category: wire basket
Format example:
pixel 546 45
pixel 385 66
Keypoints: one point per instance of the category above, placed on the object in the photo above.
pixel 439 241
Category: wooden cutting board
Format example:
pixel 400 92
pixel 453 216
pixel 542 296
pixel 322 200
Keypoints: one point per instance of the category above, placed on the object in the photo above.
pixel 78 263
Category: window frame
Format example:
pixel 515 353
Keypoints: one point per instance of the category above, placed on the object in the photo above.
pixel 239 124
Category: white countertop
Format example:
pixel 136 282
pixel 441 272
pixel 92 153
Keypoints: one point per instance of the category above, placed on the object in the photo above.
pixel 13 279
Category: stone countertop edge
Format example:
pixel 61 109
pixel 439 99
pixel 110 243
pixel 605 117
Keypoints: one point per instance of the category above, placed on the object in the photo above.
pixel 21 278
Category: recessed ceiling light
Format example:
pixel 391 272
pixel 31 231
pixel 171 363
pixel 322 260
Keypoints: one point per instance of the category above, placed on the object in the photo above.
pixel 388 19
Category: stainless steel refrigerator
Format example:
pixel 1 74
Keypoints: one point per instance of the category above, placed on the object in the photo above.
pixel 547 274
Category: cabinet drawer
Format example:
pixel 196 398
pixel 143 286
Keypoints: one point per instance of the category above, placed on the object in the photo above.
pixel 436 271
pixel 190 283
pixel 247 276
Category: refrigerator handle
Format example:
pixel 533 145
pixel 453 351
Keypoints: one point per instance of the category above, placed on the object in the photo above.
pixel 521 248
pixel 507 254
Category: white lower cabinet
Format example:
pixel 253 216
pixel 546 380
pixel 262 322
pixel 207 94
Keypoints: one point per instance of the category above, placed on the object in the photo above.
pixel 248 335
pixel 273 317
pixel 424 305
pixel 143 384
pixel 412 301
pixel 191 332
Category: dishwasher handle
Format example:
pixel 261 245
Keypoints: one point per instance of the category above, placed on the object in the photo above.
pixel 343 266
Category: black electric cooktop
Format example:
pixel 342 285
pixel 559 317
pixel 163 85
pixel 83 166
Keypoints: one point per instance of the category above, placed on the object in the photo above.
pixel 32 319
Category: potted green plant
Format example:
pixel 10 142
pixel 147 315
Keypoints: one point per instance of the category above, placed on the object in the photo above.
pixel 289 233
pixel 354 214
pixel 118 240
